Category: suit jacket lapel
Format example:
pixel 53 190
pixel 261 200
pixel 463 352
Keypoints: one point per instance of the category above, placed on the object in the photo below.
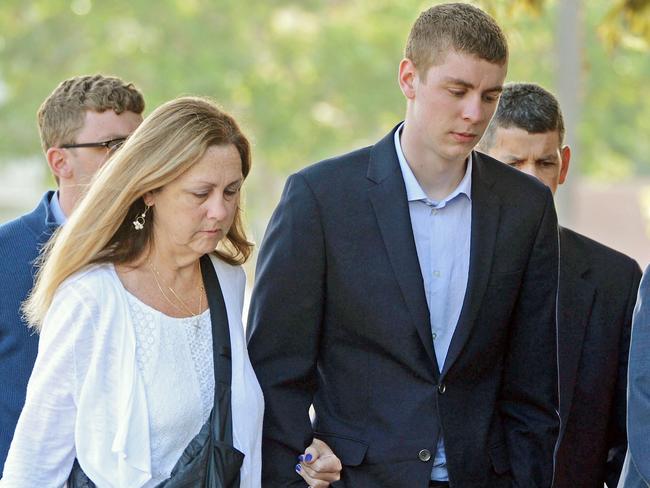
pixel 485 221
pixel 41 221
pixel 576 295
pixel 42 224
pixel 388 198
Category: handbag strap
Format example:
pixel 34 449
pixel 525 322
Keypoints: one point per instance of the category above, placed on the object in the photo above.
pixel 221 417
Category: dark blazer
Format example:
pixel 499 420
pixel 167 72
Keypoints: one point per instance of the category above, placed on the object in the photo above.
pixel 20 242
pixel 598 288
pixel 339 319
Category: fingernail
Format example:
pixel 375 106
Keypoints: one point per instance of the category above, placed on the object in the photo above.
pixel 298 468
pixel 308 458
pixel 301 458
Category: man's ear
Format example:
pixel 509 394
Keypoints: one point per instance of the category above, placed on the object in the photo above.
pixel 58 161
pixel 407 78
pixel 565 156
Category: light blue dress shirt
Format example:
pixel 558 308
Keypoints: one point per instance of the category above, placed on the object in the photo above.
pixel 442 232
pixel 57 211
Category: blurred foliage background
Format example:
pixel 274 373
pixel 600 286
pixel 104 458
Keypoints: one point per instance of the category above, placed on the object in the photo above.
pixel 311 78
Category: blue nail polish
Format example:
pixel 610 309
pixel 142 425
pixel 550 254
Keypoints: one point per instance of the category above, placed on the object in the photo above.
pixel 298 468
pixel 308 458
pixel 301 458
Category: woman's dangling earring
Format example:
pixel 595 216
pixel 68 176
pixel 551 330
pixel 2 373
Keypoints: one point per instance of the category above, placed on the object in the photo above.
pixel 139 222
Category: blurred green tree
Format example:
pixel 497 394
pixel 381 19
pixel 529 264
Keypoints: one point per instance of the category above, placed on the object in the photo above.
pixel 307 79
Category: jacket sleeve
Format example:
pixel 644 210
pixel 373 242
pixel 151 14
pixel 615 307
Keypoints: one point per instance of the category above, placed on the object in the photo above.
pixel 617 438
pixel 529 396
pixel 284 327
pixel 638 392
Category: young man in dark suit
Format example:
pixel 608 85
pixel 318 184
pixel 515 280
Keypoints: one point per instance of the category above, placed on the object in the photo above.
pixel 405 291
pixel 597 292
pixel 81 122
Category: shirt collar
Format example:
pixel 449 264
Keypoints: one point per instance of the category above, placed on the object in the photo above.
pixel 57 211
pixel 414 191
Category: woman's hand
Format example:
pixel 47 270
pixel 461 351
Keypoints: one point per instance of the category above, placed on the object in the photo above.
pixel 318 465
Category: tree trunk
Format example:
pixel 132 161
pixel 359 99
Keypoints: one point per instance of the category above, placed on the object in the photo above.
pixel 569 87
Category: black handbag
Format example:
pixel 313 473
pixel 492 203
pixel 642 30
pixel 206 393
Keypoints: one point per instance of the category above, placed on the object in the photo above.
pixel 210 460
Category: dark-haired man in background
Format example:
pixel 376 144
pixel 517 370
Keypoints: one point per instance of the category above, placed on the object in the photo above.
pixel 597 293
pixel 80 123
pixel 405 291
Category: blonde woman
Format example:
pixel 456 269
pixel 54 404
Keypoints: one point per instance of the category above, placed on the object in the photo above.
pixel 124 377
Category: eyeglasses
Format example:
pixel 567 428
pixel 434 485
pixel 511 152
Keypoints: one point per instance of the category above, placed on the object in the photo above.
pixel 111 145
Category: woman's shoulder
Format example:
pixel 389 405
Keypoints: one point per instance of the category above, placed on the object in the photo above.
pixel 92 281
pixel 229 272
pixel 93 273
pixel 89 295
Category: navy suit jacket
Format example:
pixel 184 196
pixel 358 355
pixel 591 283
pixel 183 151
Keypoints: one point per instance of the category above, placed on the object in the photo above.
pixel 20 243
pixel 339 319
pixel 598 288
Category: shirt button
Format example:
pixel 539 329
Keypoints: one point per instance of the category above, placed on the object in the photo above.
pixel 436 273
pixel 424 455
pixel 442 388
pixel 434 335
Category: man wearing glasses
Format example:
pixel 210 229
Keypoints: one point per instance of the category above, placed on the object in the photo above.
pixel 81 123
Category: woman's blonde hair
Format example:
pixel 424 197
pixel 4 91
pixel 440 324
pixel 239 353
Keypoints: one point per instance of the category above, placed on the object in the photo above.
pixel 171 140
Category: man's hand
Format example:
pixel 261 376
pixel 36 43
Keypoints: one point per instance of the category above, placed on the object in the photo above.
pixel 318 465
